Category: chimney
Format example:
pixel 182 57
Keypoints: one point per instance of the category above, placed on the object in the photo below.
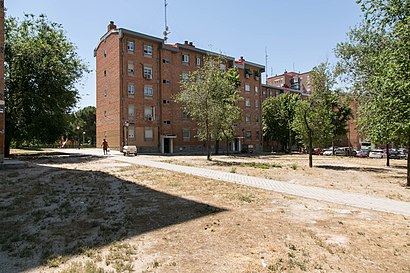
pixel 111 26
pixel 186 43
pixel 191 44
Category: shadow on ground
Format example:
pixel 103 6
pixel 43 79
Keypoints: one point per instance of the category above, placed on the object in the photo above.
pixel 360 169
pixel 47 211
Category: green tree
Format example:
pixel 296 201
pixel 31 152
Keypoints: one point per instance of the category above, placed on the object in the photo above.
pixel 376 60
pixel 86 120
pixel 277 117
pixel 314 116
pixel 341 114
pixel 42 69
pixel 210 96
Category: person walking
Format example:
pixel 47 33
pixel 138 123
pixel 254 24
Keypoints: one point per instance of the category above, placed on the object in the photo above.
pixel 105 146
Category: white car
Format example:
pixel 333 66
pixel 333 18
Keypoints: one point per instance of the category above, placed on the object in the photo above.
pixel 328 152
pixel 127 150
pixel 376 154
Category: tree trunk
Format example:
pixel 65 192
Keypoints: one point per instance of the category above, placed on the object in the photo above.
pixel 388 157
pixel 333 147
pixel 208 150
pixel 310 151
pixel 290 140
pixel 408 162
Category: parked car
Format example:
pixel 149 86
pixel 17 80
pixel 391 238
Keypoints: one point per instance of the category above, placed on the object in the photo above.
pixel 377 153
pixel 345 151
pixel 317 151
pixel 362 153
pixel 403 153
pixel 394 154
pixel 328 152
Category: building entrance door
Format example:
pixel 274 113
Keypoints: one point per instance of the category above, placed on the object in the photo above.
pixel 167 145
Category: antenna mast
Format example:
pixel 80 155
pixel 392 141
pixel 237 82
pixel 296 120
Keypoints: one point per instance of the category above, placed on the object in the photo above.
pixel 266 64
pixel 166 32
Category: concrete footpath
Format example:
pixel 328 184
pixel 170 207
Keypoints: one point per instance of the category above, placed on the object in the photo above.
pixel 321 194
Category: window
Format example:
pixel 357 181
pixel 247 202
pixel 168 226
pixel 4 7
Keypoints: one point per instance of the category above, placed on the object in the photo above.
pixel 105 93
pixel 185 58
pixel 166 101
pixel 248 72
pixel 148 72
pixel 185 76
pixel 105 53
pixel 222 67
pixel 247 87
pixel 248 135
pixel 248 119
pixel 167 122
pixel 131 131
pixel 131 110
pixel 257 135
pixel 148 91
pixel 130 46
pixel 256 103
pixel 186 134
pixel 198 61
pixel 131 89
pixel 256 75
pixel 247 102
pixel 149 112
pixel 165 61
pixel 147 50
pixel 148 133
pixel 105 73
pixel 130 68
pixel 166 81
pixel 257 119
pixel 256 90
pixel 185 116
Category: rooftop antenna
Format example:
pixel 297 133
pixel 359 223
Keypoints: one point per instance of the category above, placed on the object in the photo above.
pixel 166 32
pixel 266 64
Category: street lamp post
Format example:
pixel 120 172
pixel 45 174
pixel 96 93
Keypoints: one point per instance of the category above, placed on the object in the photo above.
pixel 126 124
pixel 78 136
pixel 83 137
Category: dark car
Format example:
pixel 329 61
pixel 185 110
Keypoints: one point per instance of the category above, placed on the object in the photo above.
pixel 317 151
pixel 394 154
pixel 362 153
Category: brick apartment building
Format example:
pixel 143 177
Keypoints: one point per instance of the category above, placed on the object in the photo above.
pixel 137 78
pixel 292 80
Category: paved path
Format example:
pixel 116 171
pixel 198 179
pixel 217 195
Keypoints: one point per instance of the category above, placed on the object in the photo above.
pixel 321 194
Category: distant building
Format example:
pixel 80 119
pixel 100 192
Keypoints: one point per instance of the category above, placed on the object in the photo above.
pixel 292 80
pixel 137 78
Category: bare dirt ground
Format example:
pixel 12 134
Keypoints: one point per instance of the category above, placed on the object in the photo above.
pixel 95 214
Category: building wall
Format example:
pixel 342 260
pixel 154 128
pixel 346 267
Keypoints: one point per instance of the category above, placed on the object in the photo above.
pixel 305 83
pixel 108 97
pixel 168 121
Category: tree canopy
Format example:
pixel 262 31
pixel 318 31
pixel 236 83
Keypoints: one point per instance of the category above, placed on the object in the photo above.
pixel 322 116
pixel 42 69
pixel 210 96
pixel 277 117
pixel 376 61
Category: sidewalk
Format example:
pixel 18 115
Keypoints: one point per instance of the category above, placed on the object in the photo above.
pixel 321 194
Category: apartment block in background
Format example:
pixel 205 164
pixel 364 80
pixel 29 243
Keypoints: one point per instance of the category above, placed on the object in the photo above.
pixel 302 82
pixel 138 77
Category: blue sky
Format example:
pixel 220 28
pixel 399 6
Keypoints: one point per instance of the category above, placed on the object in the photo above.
pixel 297 34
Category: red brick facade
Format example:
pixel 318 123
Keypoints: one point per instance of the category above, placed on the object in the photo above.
pixel 137 78
pixel 297 81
